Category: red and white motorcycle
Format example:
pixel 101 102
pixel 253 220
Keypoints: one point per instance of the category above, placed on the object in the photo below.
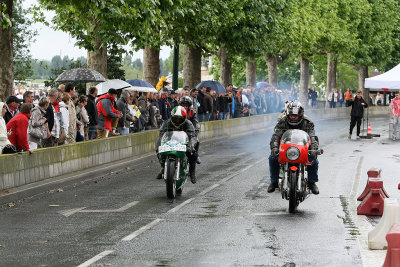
pixel 293 160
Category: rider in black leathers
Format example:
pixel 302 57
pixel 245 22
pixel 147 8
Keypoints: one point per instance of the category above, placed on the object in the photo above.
pixel 177 122
pixel 293 118
pixel 191 114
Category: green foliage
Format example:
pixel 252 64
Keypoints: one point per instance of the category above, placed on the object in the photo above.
pixel 215 69
pixel 375 33
pixel 5 18
pixel 114 64
pixel 358 32
pixel 168 64
pixel 23 36
pixel 346 76
pixel 255 28
pixel 113 23
pixel 58 66
pixel 40 69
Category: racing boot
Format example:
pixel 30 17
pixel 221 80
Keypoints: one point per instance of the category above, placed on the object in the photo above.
pixel 160 175
pixel 198 161
pixel 272 186
pixel 192 172
pixel 313 188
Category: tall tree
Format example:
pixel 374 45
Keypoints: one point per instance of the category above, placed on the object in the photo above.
pixel 375 37
pixel 103 26
pixel 254 24
pixel 23 36
pixel 6 49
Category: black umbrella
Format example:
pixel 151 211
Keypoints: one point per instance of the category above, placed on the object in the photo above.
pixel 214 85
pixel 80 75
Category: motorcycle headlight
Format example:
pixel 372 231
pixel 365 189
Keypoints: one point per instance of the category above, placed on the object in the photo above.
pixel 293 153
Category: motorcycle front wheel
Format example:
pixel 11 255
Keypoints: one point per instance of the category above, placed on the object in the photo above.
pixel 170 180
pixel 293 192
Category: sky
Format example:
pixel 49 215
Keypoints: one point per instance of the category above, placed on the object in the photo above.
pixel 51 43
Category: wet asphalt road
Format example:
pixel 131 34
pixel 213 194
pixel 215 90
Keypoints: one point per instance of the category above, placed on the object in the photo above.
pixel 226 219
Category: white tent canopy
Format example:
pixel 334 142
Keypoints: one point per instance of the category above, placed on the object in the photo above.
pixel 389 79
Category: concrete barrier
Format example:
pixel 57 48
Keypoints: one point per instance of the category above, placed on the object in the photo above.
pixel 20 169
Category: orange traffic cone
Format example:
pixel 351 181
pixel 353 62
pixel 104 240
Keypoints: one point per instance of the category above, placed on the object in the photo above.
pixel 369 129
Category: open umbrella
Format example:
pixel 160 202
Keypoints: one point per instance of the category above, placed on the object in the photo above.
pixel 214 85
pixel 80 75
pixel 140 86
pixel 262 85
pixel 114 83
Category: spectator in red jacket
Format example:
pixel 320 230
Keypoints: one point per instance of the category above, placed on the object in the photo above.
pixel 18 126
pixel 108 115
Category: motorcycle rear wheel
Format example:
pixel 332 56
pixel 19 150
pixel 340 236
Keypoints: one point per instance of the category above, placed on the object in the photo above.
pixel 170 181
pixel 293 192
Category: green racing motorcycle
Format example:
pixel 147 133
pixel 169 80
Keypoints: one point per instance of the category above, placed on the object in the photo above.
pixel 176 164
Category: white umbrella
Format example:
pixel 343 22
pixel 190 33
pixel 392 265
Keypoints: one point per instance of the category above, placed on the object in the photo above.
pixel 141 89
pixel 115 84
pixel 141 86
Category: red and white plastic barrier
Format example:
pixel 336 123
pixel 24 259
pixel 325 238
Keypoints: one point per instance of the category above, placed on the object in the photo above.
pixel 393 250
pixel 373 195
pixel 391 215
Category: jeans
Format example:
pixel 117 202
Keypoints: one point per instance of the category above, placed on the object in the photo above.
pixel 204 117
pixel 92 134
pixel 122 131
pixel 221 116
pixel 312 170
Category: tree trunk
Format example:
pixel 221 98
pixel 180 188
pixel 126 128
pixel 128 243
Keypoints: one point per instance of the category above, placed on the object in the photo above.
pixel 97 59
pixel 151 65
pixel 272 63
pixel 304 80
pixel 331 75
pixel 362 74
pixel 251 72
pixel 6 56
pixel 191 66
pixel 225 67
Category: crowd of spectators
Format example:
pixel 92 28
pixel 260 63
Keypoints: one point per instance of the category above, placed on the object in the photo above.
pixel 61 116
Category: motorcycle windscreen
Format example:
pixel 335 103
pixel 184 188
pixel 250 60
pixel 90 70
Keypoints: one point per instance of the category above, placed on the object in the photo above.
pixel 297 137
pixel 178 136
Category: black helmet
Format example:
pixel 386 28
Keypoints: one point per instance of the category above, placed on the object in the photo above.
pixel 295 108
pixel 186 100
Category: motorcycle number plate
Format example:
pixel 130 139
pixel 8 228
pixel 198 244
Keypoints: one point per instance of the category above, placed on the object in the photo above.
pixel 168 148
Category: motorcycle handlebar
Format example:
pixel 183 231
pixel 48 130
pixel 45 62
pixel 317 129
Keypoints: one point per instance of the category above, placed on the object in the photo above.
pixel 319 151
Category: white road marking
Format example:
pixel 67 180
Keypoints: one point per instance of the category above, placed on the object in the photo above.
pixel 181 205
pixel 124 208
pixel 96 258
pixel 70 212
pixel 252 165
pixel 271 213
pixel 228 156
pixel 208 189
pixel 141 230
